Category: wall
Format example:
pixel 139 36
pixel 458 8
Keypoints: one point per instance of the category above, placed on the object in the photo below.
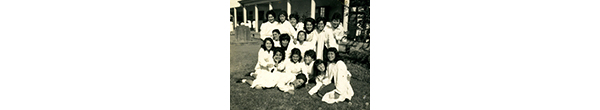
pixel 333 6
pixel 301 7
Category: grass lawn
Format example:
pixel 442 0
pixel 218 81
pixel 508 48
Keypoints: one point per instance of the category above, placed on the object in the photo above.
pixel 243 58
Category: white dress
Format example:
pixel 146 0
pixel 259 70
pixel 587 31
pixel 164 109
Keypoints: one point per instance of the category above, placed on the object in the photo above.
pixel 322 39
pixel 307 69
pixel 281 80
pixel 341 76
pixel 342 84
pixel 264 58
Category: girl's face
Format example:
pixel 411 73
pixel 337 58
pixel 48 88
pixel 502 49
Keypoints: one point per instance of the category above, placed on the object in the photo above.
pixel 293 21
pixel 330 56
pixel 307 59
pixel 271 18
pixel 335 23
pixel 282 17
pixel 269 45
pixel 277 56
pixel 276 36
pixel 296 58
pixel 321 67
pixel 297 82
pixel 309 25
pixel 285 42
pixel 321 25
pixel 301 36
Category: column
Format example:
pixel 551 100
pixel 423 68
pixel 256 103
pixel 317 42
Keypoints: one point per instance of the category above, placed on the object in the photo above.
pixel 346 13
pixel 313 6
pixel 255 18
pixel 289 8
pixel 234 17
pixel 270 6
pixel 245 14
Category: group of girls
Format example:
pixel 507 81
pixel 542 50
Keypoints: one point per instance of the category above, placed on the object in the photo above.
pixel 294 54
pixel 312 34
pixel 330 76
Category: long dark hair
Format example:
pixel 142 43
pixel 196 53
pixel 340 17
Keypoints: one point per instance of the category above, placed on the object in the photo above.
pixel 315 67
pixel 264 47
pixel 337 55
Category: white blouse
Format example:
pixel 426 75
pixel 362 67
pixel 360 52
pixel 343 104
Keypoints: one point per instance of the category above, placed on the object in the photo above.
pixel 323 40
pixel 286 27
pixel 276 43
pixel 264 58
pixel 266 29
pixel 305 46
pixel 293 30
pixel 338 32
pixel 292 67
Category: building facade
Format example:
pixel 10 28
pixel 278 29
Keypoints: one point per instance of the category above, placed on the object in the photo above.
pixel 255 10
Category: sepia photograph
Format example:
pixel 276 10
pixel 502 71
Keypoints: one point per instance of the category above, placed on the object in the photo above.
pixel 299 54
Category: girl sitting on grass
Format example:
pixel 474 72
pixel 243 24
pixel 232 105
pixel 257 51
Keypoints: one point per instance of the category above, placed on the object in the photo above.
pixel 265 57
pixel 295 63
pixel 321 78
pixel 340 89
pixel 277 64
pixel 309 60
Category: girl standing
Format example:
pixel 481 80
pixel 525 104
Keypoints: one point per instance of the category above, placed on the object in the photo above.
pixel 296 26
pixel 308 68
pixel 309 27
pixel 267 27
pixel 324 38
